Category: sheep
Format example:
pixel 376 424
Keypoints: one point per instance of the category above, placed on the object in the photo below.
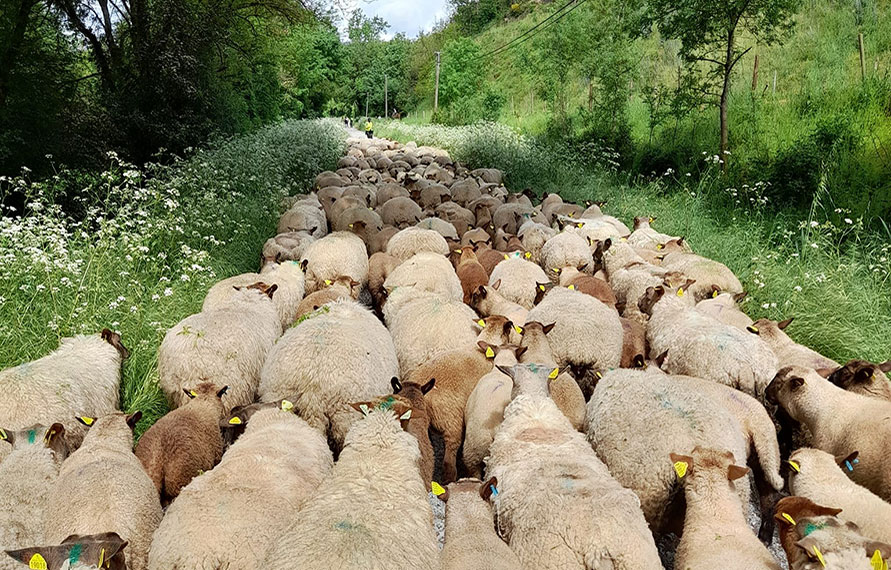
pixel 288 246
pixel 788 513
pixel 675 414
pixel 549 205
pixel 470 537
pixel 587 334
pixel 818 477
pixel 432 196
pixel 475 236
pixel 699 345
pixel 361 220
pixel 303 217
pixel 630 283
pixel 442 227
pixel 465 191
pixel 827 542
pixel 716 534
pixel 461 219
pixel 400 212
pixel 380 240
pixel 487 300
pixel 328 178
pixel 509 217
pixel 484 409
pixel 862 377
pixel 226 346
pixel 723 307
pixel 456 373
pixel 419 423
pixel 373 500
pixel 788 352
pixel 710 276
pixel 380 265
pixel 327 196
pixel 287 277
pixel 77 552
pixel 341 205
pixel 424 324
pixel 228 517
pixel 414 240
pixel 557 505
pixel 336 254
pixel 82 376
pixel 426 271
pixel 533 236
pixel 634 344
pixel 342 354
pixel 593 212
pixel 839 421
pixel 496 330
pixel 488 257
pixel 572 278
pixel 185 442
pixel 644 236
pixel 26 477
pixel 390 190
pixel 102 487
pixel 519 279
pixel 565 250
pixel 564 390
pixel 366 193
pixel 471 273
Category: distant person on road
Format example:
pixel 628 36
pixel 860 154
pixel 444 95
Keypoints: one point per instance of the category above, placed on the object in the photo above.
pixel 369 128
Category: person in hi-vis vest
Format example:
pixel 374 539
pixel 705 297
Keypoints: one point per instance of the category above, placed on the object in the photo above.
pixel 369 128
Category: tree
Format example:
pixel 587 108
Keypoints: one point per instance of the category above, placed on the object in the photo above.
pixel 710 34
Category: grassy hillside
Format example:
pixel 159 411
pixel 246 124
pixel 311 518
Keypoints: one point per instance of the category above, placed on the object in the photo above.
pixel 140 249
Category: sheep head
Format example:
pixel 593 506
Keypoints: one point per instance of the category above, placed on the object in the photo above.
pixel 105 550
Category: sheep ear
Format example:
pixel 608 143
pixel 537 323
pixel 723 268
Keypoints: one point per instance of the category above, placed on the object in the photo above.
pixel 304 264
pixel 660 360
pixel 847 462
pixel 885 366
pixel 796 383
pixel 489 489
pixel 878 553
pixel 520 351
pixel 548 328
pixel 428 386
pixel 53 433
pixel 826 372
pixel 362 407
pixel 735 472
pixel 271 290
pixel 396 384
pixel 809 545
pixel 497 284
pixel 134 418
pixel 739 297
pixel 222 391
pixel 481 291
pixel 486 348
pixel 40 556
pixel 86 420
pixel 783 324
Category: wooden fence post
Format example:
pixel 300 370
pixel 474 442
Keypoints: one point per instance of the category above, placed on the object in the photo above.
pixel 755 74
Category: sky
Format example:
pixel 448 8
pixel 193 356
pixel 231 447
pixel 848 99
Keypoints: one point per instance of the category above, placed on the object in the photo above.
pixel 406 16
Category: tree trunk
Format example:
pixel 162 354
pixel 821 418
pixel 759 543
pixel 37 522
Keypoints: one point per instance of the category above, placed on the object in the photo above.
pixel 725 96
pixel 10 51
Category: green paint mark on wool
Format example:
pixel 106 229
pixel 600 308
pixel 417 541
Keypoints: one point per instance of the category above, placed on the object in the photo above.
pixel 811 527
pixel 74 555
pixel 31 435
pixel 321 311
pixel 388 403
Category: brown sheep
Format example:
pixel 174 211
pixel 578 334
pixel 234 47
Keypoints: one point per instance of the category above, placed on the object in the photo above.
pixel 471 273
pixel 488 257
pixel 634 344
pixel 185 442
pixel 419 423
pixel 861 377
pixel 496 330
pixel 380 265
pixel 343 287
pixel 572 278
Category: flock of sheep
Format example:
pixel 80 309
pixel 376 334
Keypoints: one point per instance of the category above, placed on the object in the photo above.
pixel 594 387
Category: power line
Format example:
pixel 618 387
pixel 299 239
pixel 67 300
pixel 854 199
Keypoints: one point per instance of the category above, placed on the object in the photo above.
pixel 550 20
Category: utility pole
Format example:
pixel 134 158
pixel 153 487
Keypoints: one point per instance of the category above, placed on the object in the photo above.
pixel 386 98
pixel 436 91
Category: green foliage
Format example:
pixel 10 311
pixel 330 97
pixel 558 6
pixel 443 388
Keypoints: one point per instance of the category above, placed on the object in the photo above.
pixel 472 16
pixel 146 244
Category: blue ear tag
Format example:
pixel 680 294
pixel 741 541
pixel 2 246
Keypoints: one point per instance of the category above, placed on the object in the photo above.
pixel 850 464
pixel 494 490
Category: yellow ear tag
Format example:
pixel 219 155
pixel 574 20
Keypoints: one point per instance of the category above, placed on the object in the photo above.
pixel 819 556
pixel 489 352
pixel 506 256
pixel 38 562
pixel 328 282
pixel 714 294
pixel 680 467
pixel 519 329
pixel 87 420
pixel 555 270
pixel 541 287
pixel 481 323
pixel 794 466
pixel 193 393
pixel 101 558
pixel 554 373
pixel 287 405
pixel 49 436
pixel 527 255
pixel 236 421
pixel 789 518
pixel 659 246
pixel 457 251
pixel 680 292
pixel 436 488
pixel 2 435
pixel 652 220
pixel 580 225
pixel 877 562
pixel 571 287
pixel 351 226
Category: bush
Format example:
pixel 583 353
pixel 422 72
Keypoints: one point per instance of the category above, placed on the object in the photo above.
pixel 149 245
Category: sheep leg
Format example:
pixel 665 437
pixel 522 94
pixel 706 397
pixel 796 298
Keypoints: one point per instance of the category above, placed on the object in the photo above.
pixel 450 457
pixel 767 500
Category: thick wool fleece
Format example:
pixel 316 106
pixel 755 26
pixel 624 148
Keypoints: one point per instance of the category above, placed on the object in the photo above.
pixel 789 352
pixel 565 250
pixel 342 355
pixel 519 280
pixel 230 516
pixel 443 227
pixel 426 271
pixel 284 247
pixel 339 253
pixel 26 477
pixel 183 443
pixel 822 480
pixel 673 414
pixel 226 346
pixel 840 423
pixel 424 324
pixel 484 412
pixel 841 545
pixel 708 274
pixel 80 378
pixel 400 212
pixel 701 346
pixel 533 237
pixel 470 538
pixel 370 512
pixel 414 240
pixel 287 275
pixel 102 487
pixel 723 308
pixel 557 505
pixel 303 217
pixel 587 336
pixel 716 534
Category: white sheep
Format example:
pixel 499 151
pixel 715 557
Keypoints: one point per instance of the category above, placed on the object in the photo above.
pixel 340 354
pixel 230 516
pixel 287 276
pixel 519 279
pixel 226 346
pixel 723 307
pixel 288 246
pixel 370 512
pixel 304 217
pixel 565 250
pixel 789 352
pixel 426 271
pixel 336 254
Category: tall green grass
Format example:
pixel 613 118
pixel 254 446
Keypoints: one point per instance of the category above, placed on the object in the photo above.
pixel 832 276
pixel 145 245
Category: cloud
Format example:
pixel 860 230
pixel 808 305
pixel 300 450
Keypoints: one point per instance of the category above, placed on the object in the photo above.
pixel 407 16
